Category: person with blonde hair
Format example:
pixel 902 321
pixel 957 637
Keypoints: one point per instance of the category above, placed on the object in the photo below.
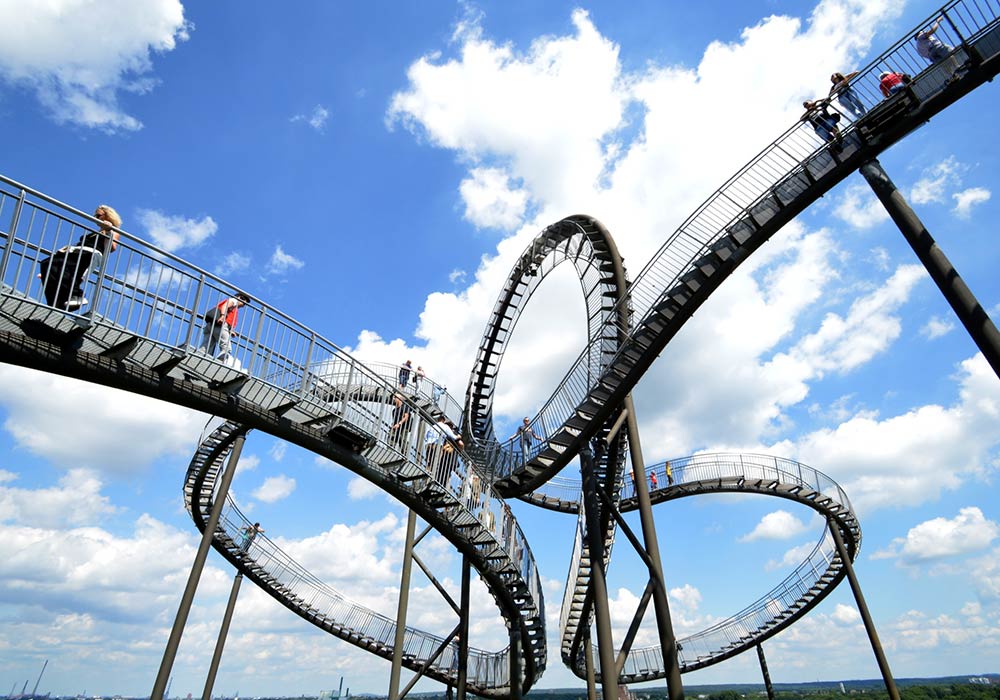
pixel 64 272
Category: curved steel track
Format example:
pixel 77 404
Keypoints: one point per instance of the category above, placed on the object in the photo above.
pixel 139 334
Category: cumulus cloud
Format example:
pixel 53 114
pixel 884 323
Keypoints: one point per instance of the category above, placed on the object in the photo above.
pixel 860 208
pixel 359 489
pixel 233 262
pixel 79 81
pixel 792 557
pixel 935 180
pixel 911 457
pixel 282 262
pixel 61 420
pixel 490 202
pixel 275 488
pixel 77 500
pixel 316 119
pixel 937 327
pixel 939 538
pixel 779 525
pixel 966 199
pixel 173 232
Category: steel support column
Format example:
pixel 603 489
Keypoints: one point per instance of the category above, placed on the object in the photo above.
pixel 588 658
pixel 167 663
pixel 404 601
pixel 223 633
pixel 664 625
pixel 515 662
pixel 463 638
pixel 763 670
pixel 598 583
pixel 963 302
pixel 845 557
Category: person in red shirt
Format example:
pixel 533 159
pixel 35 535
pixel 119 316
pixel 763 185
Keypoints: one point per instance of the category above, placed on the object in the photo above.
pixel 219 324
pixel 890 83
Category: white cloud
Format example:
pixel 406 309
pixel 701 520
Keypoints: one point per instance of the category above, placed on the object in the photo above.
pixel 457 276
pixel 792 557
pixel 278 450
pixel 497 106
pixel 172 232
pixel 846 614
pixel 77 500
pixel 490 202
pixel 65 421
pixel 860 208
pixel 316 119
pixel 939 538
pixel 281 262
pixel 937 327
pixel 234 262
pixel 79 81
pixel 966 199
pixel 912 457
pixel 779 525
pixel 935 180
pixel 361 489
pixel 275 488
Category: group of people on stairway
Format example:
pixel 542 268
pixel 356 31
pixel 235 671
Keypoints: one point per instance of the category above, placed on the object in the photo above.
pixel 826 123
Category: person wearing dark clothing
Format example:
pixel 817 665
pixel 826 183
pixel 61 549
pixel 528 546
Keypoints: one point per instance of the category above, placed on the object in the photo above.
pixel 823 122
pixel 64 272
pixel 400 420
pixel 404 374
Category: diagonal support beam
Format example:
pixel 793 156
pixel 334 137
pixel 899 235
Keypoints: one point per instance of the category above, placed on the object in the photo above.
pixel 433 657
pixel 633 628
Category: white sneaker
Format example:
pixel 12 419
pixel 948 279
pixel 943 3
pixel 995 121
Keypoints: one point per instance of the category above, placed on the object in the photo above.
pixel 75 303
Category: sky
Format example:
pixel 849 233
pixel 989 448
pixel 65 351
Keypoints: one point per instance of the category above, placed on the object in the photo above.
pixel 373 170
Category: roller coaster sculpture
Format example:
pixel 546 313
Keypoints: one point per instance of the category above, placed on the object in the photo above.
pixel 138 330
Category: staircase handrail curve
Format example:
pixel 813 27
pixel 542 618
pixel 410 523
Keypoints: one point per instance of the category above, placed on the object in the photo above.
pixel 291 583
pixel 751 473
pixel 797 139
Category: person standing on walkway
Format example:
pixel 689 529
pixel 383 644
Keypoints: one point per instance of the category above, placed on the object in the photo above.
pixel 404 374
pixel 525 432
pixel 63 273
pixel 845 95
pixel 929 46
pixel 249 533
pixel 219 324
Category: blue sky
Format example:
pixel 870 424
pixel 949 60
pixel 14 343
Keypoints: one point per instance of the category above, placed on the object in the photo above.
pixel 373 170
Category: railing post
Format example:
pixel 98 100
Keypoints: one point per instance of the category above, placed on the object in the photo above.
pixel 305 368
pixel 256 342
pixel 15 219
pixel 98 286
pixel 196 314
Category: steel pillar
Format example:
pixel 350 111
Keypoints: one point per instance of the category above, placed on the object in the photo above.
pixel 763 670
pixel 167 663
pixel 515 662
pixel 404 601
pixel 598 583
pixel 664 625
pixel 588 657
pixel 463 638
pixel 223 633
pixel 963 302
pixel 845 557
